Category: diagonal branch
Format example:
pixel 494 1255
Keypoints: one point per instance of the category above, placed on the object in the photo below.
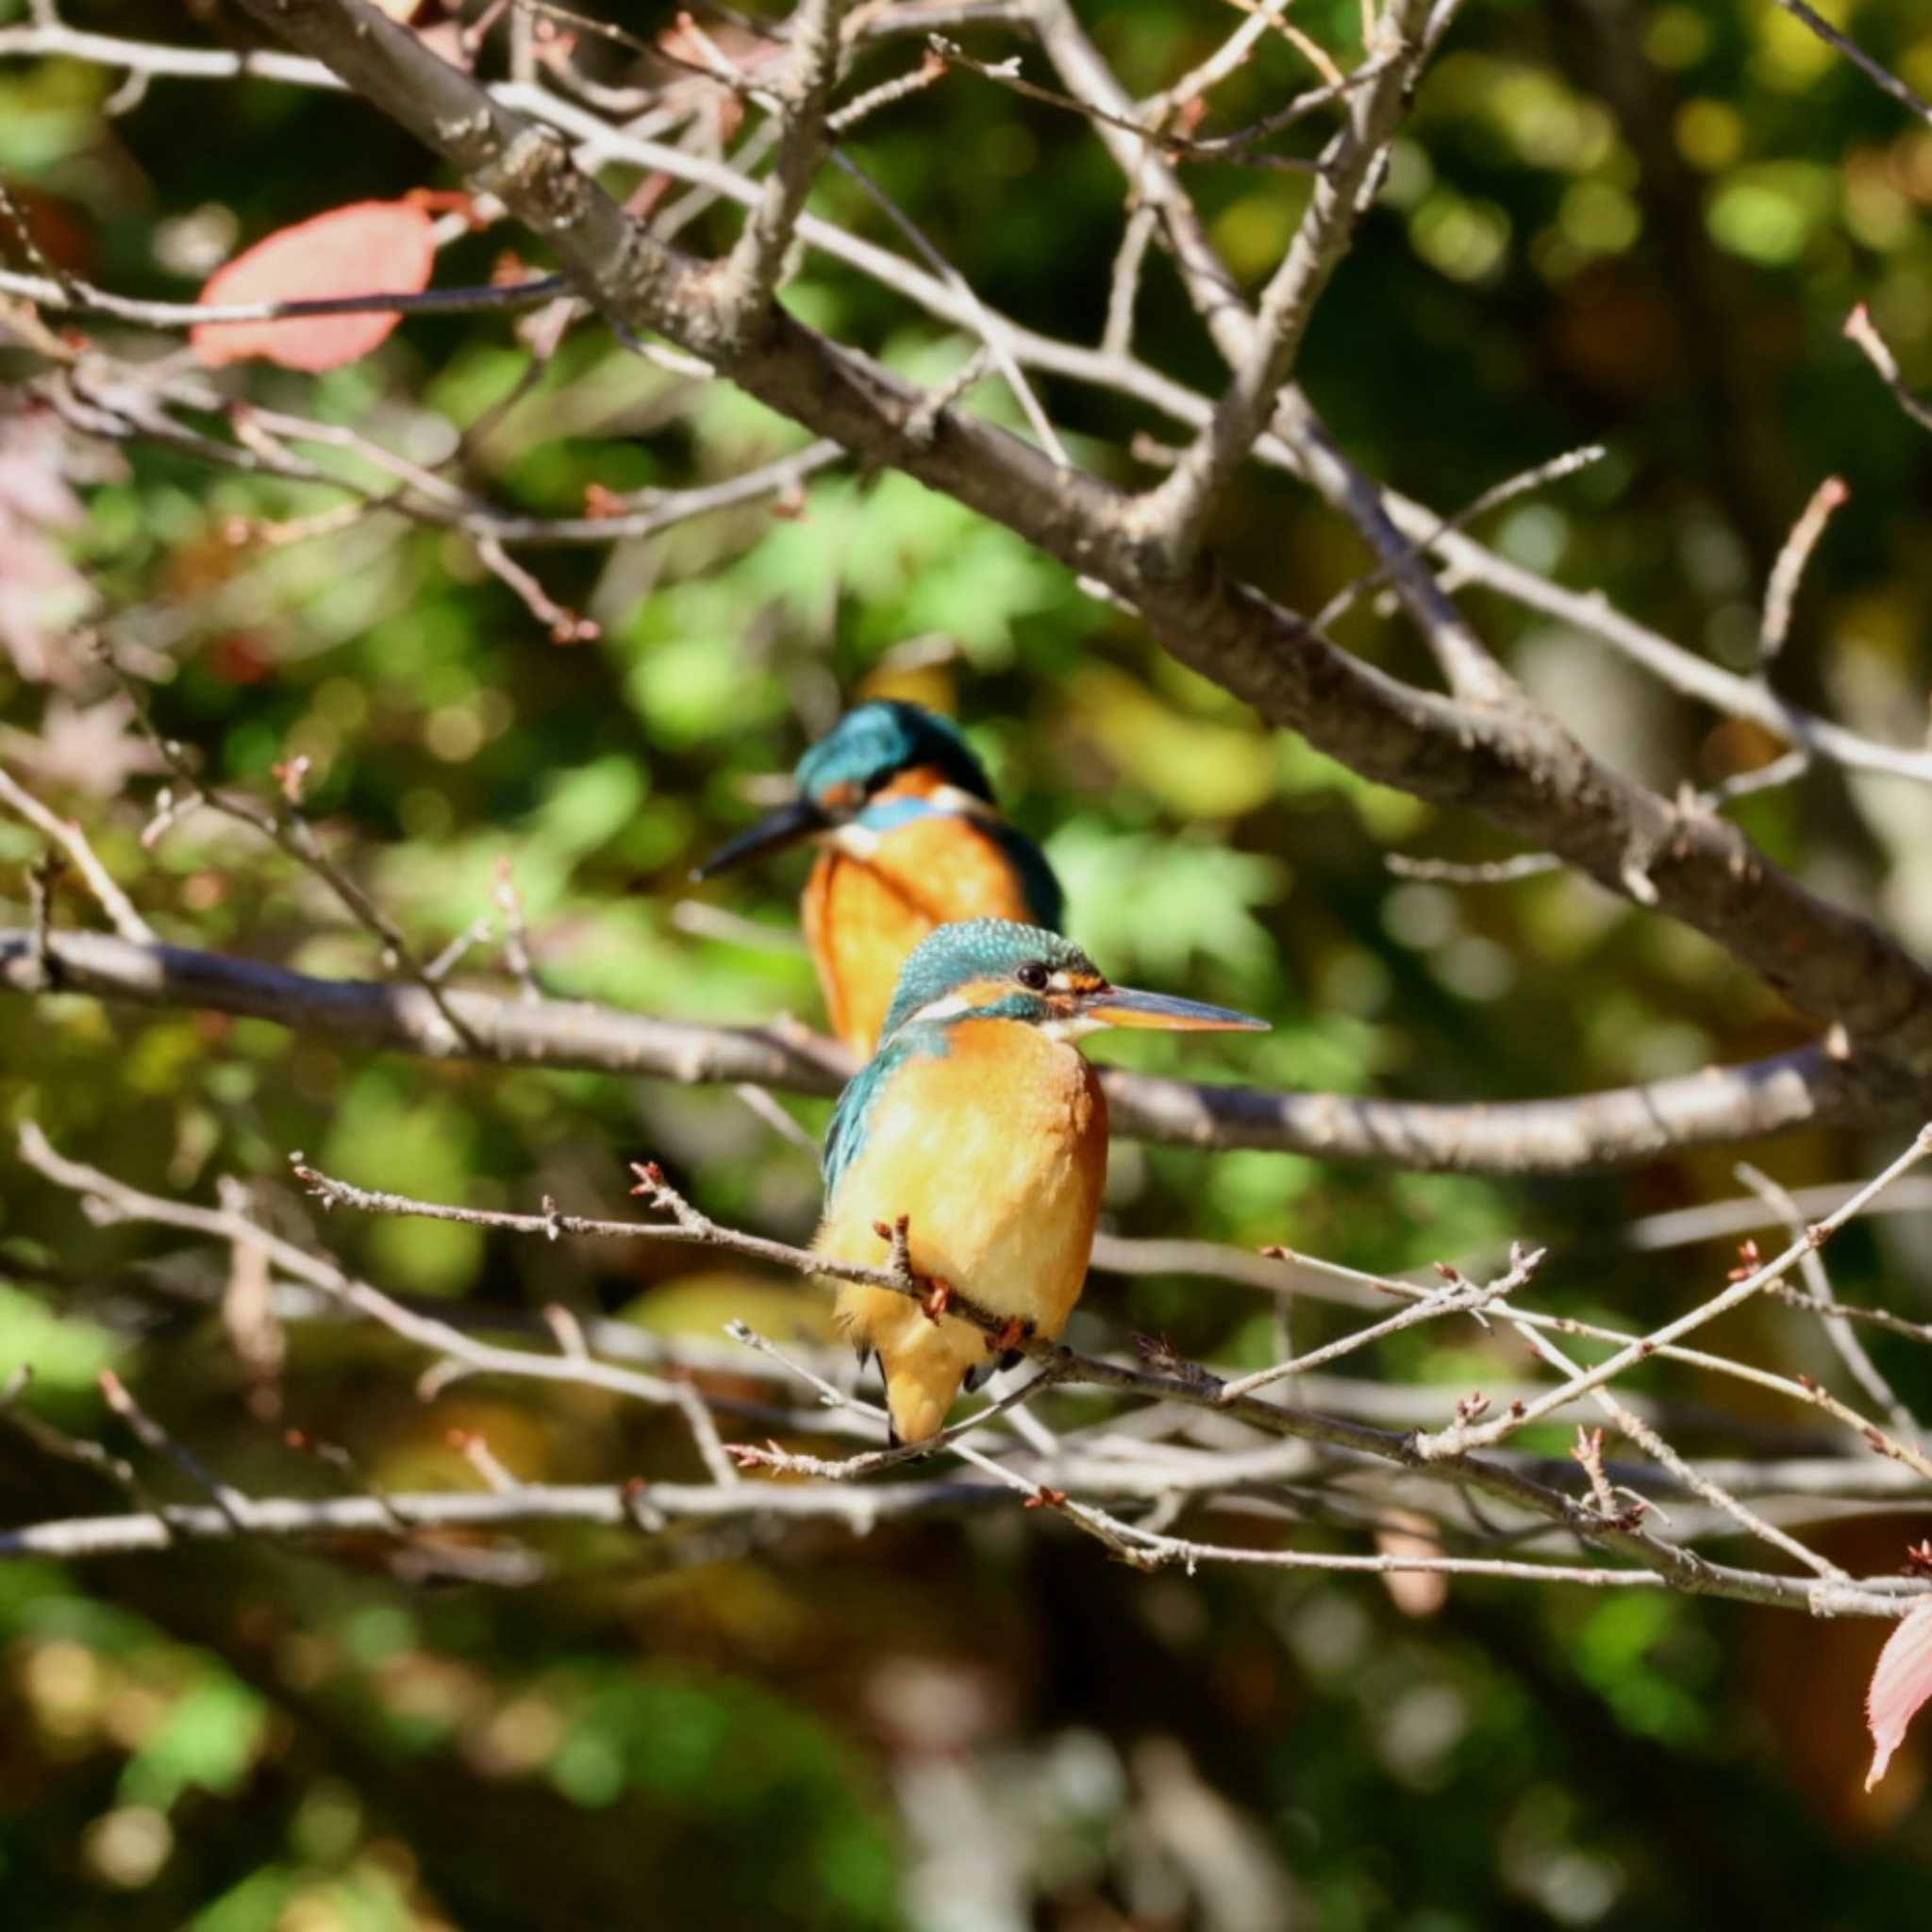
pixel 1879 75
pixel 1838 1331
pixel 749 277
pixel 1210 286
pixel 16 798
pixel 1459 1439
pixel 1523 768
pixel 1173 518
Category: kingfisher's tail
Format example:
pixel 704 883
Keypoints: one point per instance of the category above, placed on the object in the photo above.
pixel 920 1388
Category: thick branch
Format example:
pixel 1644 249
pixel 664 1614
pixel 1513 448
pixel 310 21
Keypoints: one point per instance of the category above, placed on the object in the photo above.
pixel 1589 1131
pixel 1209 285
pixel 1526 772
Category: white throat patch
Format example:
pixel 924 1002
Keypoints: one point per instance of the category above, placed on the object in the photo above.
pixel 854 840
pixel 1075 1026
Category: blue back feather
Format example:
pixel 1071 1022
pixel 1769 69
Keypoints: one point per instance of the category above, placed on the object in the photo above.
pixel 1044 899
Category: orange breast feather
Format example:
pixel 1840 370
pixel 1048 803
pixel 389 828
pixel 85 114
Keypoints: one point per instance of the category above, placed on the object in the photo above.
pixel 996 1151
pixel 863 916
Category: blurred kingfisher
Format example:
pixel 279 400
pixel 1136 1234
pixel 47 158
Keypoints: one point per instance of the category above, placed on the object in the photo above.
pixel 978 1122
pixel 910 839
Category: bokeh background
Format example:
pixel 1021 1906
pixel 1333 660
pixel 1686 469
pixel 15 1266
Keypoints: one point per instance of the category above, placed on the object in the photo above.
pixel 1641 225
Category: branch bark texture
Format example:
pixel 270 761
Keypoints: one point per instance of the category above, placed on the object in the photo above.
pixel 1515 765
pixel 1585 1132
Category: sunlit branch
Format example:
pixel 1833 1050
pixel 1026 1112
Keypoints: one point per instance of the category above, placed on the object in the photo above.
pixel 749 277
pixel 1174 517
pixel 1584 1132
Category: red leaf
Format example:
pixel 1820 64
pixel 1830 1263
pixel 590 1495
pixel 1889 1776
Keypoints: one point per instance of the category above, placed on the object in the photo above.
pixel 1900 1684
pixel 368 249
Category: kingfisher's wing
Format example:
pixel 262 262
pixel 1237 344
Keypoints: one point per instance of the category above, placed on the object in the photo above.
pixel 1044 899
pixel 848 1129
pixel 852 1113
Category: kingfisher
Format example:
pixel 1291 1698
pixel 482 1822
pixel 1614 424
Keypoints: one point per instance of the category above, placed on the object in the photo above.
pixel 910 839
pixel 979 1124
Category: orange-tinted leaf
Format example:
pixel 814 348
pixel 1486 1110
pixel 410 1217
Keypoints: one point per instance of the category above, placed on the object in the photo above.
pixel 368 249
pixel 1901 1683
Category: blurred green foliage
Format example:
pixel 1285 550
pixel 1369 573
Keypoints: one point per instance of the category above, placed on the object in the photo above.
pixel 1641 225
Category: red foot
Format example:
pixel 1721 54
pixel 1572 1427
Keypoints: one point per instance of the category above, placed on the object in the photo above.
pixel 1044 1498
pixel 939 1298
pixel 1011 1335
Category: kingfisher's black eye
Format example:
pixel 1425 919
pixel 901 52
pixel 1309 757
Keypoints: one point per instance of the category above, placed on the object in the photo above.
pixel 1034 976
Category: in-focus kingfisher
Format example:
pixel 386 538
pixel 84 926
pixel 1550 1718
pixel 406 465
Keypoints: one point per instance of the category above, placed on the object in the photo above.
pixel 912 840
pixel 978 1122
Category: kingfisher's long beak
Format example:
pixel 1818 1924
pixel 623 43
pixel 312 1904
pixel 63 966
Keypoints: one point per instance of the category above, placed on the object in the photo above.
pixel 785 826
pixel 1122 1006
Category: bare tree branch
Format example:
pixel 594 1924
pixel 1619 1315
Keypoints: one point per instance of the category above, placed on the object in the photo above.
pixel 1781 591
pixel 1460 1439
pixel 1174 1382
pixel 72 840
pixel 748 279
pixel 1215 293
pixel 1862 331
pixel 1457 1297
pixel 82 298
pixel 1839 1331
pixel 1522 770
pixel 1173 521
pixel 1812 1086
pixel 1880 76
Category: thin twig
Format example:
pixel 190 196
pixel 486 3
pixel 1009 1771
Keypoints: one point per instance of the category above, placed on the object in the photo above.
pixel 1838 1331
pixel 291 832
pixel 73 842
pixel 1861 331
pixel 1780 771
pixel 516 935
pixel 227 1499
pixel 750 275
pixel 1123 288
pixel 1698 1482
pixel 1880 76
pixel 76 1449
pixel 888 94
pixel 81 298
pixel 1537 477
pixel 1781 590
pixel 1177 146
pixel 1460 1438
pixel 1174 516
pixel 1457 1297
